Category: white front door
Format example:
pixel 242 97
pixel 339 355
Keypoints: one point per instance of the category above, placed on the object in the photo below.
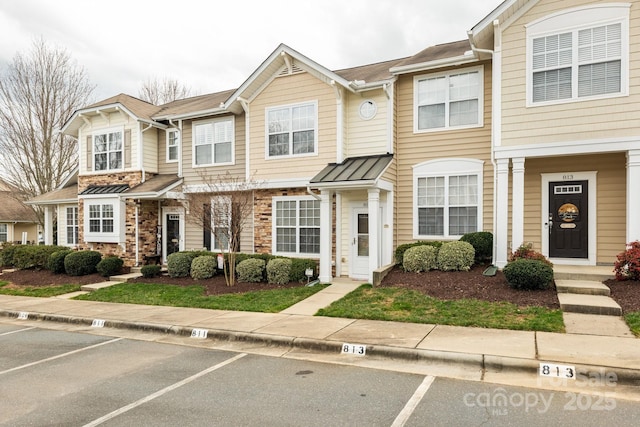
pixel 359 243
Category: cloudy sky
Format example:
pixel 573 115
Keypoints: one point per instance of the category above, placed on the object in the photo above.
pixel 211 46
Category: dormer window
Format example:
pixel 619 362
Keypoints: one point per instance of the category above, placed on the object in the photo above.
pixel 108 150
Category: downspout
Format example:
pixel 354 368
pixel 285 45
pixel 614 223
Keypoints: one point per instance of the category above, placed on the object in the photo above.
pixel 312 194
pixel 140 154
pixel 137 235
pixel 247 165
pixel 339 122
pixel 495 107
pixel 179 127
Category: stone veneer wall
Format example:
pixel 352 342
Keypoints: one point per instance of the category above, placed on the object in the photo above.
pixel 148 220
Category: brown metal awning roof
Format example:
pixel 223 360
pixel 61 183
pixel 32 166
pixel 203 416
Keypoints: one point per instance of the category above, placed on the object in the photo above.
pixel 104 189
pixel 353 169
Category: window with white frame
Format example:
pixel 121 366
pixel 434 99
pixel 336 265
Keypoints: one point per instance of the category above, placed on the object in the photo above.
pixel 173 144
pixel 447 198
pixel 72 225
pixel 101 218
pixel 4 232
pixel 108 150
pixel 291 130
pixel 570 57
pixel 296 225
pixel 448 100
pixel 213 142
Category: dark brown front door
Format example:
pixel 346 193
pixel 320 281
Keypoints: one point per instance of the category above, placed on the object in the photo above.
pixel 568 216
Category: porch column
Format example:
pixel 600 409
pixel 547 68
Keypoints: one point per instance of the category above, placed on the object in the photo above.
pixel 374 222
pixel 325 236
pixel 633 195
pixel 501 231
pixel 48 226
pixel 517 203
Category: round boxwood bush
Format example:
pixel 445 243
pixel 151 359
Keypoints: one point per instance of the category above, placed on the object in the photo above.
pixel 456 256
pixel 179 264
pixel 203 267
pixel 278 270
pixel 150 270
pixel 110 266
pixel 401 249
pixel 299 268
pixel 251 270
pixel 420 258
pixel 56 261
pixel 526 273
pixel 482 242
pixel 81 263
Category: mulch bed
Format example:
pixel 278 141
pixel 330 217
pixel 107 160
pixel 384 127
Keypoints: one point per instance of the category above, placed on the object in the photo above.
pixel 455 285
pixel 450 285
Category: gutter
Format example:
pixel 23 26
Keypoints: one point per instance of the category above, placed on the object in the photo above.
pixel 424 66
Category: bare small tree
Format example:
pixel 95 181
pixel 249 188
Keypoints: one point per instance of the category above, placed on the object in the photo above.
pixel 158 92
pixel 222 206
pixel 39 91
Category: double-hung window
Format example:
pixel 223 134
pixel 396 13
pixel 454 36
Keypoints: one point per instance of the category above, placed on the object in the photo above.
pixel 4 232
pixel 584 61
pixel 448 100
pixel 296 225
pixel 173 144
pixel 72 225
pixel 101 218
pixel 447 198
pixel 108 150
pixel 221 210
pixel 292 130
pixel 213 142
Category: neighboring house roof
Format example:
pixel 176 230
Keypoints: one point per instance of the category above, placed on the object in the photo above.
pixel 454 53
pixel 140 108
pixel 193 105
pixel 12 208
pixel 61 196
pixel 154 186
pixel 370 73
pixel 353 169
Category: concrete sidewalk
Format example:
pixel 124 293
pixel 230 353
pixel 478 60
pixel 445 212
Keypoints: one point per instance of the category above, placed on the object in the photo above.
pixel 501 356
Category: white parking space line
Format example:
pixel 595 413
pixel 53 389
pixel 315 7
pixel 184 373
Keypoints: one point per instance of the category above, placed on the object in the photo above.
pixel 15 332
pixel 411 405
pixel 162 392
pixel 48 359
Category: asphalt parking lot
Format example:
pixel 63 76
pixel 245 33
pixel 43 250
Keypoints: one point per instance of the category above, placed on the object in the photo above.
pixel 56 377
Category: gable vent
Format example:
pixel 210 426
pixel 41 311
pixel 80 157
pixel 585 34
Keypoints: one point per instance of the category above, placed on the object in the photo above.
pixel 294 69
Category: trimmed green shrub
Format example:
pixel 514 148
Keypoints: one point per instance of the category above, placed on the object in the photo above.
pixel 420 258
pixel 456 256
pixel 251 270
pixel 150 270
pixel 56 261
pixel 241 256
pixel 179 263
pixel 401 249
pixel 6 255
pixel 299 267
pixel 527 252
pixel 526 273
pixel 81 263
pixel 203 267
pixel 110 266
pixel 482 242
pixel 32 256
pixel 278 270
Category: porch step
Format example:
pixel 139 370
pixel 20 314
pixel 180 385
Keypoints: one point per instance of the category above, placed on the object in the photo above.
pixel 598 273
pixel 584 287
pixel 589 304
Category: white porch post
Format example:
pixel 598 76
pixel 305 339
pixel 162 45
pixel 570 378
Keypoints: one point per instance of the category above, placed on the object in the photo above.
pixel 374 222
pixel 325 236
pixel 501 232
pixel 633 195
pixel 517 203
pixel 48 225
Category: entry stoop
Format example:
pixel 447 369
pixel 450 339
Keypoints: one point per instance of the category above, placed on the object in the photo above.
pixel 589 304
pixel 586 287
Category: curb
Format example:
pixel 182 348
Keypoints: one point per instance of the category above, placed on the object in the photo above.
pixel 481 362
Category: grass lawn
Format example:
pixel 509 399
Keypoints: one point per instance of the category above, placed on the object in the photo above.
pixel 633 320
pixel 267 301
pixel 40 291
pixel 403 305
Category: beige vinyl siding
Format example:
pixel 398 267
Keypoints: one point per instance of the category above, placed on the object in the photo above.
pixel 150 156
pixel 287 90
pixel 163 166
pixel 414 148
pixel 366 137
pixel 99 124
pixel 191 174
pixel 603 118
pixel 610 215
